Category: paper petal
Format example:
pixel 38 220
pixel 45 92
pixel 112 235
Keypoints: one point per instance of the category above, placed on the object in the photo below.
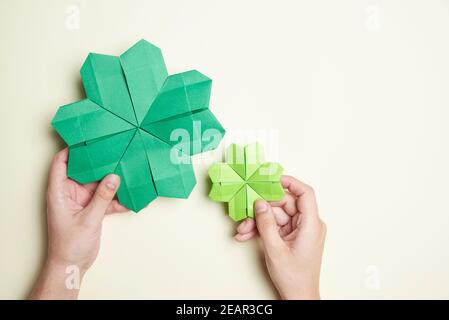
pixel 238 206
pixel 269 171
pixel 253 158
pixel 181 94
pixel 224 191
pixel 251 197
pixel 270 191
pixel 105 84
pixel 145 73
pixel 85 120
pixel 193 133
pixel 171 176
pixel 89 162
pixel 222 172
pixel 136 186
pixel 235 157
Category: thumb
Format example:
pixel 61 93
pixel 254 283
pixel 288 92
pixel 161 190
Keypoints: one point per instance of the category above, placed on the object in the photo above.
pixel 102 198
pixel 266 224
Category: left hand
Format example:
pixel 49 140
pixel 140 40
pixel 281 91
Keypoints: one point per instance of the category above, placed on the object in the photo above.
pixel 75 214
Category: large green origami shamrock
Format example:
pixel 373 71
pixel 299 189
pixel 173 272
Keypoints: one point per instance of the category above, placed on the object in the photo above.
pixel 140 123
pixel 243 179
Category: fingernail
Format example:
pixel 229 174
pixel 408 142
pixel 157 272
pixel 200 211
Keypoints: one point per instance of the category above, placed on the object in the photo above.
pixel 112 181
pixel 261 206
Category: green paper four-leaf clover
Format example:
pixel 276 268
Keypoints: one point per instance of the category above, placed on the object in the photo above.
pixel 243 179
pixel 140 123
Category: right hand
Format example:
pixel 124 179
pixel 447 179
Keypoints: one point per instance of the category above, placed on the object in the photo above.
pixel 293 237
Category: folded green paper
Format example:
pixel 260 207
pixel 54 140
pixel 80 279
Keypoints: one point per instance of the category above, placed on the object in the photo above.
pixel 243 179
pixel 140 123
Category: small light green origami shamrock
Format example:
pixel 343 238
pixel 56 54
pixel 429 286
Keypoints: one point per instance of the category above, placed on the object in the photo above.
pixel 140 123
pixel 243 179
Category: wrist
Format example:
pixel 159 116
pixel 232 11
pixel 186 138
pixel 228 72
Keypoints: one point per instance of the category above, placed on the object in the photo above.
pixel 58 280
pixel 305 291
pixel 302 295
pixel 70 272
pixel 56 264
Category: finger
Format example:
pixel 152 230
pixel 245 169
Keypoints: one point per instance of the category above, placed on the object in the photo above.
pixel 83 196
pixel 291 236
pixel 246 236
pixel 288 204
pixel 246 226
pixel 296 220
pixel 286 229
pixel 267 227
pixel 306 203
pixel 116 207
pixel 91 187
pixel 101 199
pixel 87 192
pixel 58 170
pixel 282 218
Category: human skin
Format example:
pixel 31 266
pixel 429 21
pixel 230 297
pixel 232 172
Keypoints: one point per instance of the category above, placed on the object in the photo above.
pixel 75 214
pixel 291 232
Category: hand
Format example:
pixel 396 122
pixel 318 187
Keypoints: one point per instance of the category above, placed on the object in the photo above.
pixel 75 214
pixel 293 236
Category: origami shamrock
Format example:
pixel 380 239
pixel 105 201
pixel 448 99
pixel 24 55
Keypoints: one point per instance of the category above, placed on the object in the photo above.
pixel 140 123
pixel 243 179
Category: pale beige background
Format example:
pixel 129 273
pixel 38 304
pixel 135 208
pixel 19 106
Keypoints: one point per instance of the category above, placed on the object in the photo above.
pixel 358 91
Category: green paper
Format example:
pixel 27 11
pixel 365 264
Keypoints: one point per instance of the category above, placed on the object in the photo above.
pixel 223 172
pixel 139 123
pixel 268 171
pixel 226 182
pixel 105 84
pixel 251 197
pixel 181 94
pixel 238 205
pixel 188 135
pixel 243 179
pixel 88 162
pixel 168 174
pixel 224 191
pixel 253 158
pixel 135 176
pixel 270 191
pixel 235 157
pixel 79 122
pixel 145 72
